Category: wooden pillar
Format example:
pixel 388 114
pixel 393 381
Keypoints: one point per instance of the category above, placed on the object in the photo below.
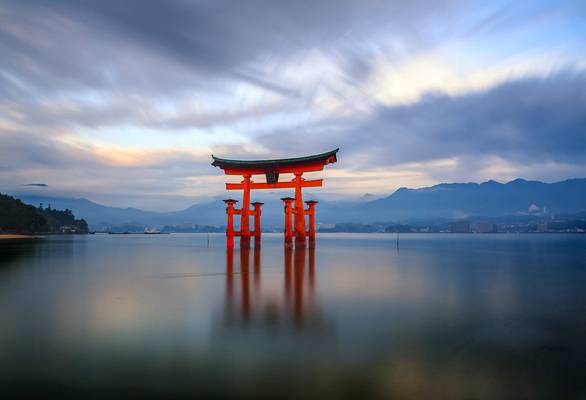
pixel 299 209
pixel 288 210
pixel 230 225
pixel 245 211
pixel 311 213
pixel 257 205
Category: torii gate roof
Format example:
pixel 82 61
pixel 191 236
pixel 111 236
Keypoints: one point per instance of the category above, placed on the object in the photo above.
pixel 284 165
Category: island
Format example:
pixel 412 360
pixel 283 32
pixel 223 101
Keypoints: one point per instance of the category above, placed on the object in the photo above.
pixel 19 220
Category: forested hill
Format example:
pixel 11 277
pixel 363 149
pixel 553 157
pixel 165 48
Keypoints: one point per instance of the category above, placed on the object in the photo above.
pixel 17 217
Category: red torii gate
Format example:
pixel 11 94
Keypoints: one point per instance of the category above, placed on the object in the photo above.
pixel 271 169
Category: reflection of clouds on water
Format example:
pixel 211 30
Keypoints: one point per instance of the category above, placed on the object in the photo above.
pixel 437 319
pixel 450 283
pixel 463 360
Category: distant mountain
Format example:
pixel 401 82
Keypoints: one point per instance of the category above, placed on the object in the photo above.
pixel 101 217
pixel 95 214
pixel 446 200
pixel 460 200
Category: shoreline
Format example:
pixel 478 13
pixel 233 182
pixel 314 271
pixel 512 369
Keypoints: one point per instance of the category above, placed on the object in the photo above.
pixel 12 236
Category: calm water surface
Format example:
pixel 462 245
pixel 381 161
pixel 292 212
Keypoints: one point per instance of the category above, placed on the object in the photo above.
pixel 443 316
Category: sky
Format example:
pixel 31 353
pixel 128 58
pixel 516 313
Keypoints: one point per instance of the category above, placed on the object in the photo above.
pixel 123 102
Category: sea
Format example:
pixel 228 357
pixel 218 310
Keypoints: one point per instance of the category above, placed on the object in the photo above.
pixel 409 316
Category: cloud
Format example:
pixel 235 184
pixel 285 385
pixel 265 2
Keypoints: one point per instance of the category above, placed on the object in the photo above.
pixel 125 101
pixel 532 127
pixel 36 184
pixel 530 121
pixel 157 179
pixel 133 39
pixel 527 120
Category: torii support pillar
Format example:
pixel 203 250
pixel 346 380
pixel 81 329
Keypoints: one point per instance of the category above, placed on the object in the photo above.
pixel 288 211
pixel 311 214
pixel 230 211
pixel 299 211
pixel 245 211
pixel 257 205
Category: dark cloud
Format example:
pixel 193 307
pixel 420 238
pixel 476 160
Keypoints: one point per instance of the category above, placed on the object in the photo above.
pixel 530 120
pixel 117 43
pixel 36 184
pixel 527 120
pixel 139 52
pixel 21 150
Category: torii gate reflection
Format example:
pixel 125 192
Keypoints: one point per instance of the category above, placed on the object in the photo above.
pixel 298 291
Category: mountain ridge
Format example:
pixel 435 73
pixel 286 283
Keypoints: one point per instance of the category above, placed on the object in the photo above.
pixel 488 198
pixel 445 200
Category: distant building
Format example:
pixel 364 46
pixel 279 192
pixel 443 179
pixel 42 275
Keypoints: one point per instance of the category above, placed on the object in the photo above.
pixel 70 229
pixel 460 226
pixel 533 209
pixel 323 226
pixel 483 227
